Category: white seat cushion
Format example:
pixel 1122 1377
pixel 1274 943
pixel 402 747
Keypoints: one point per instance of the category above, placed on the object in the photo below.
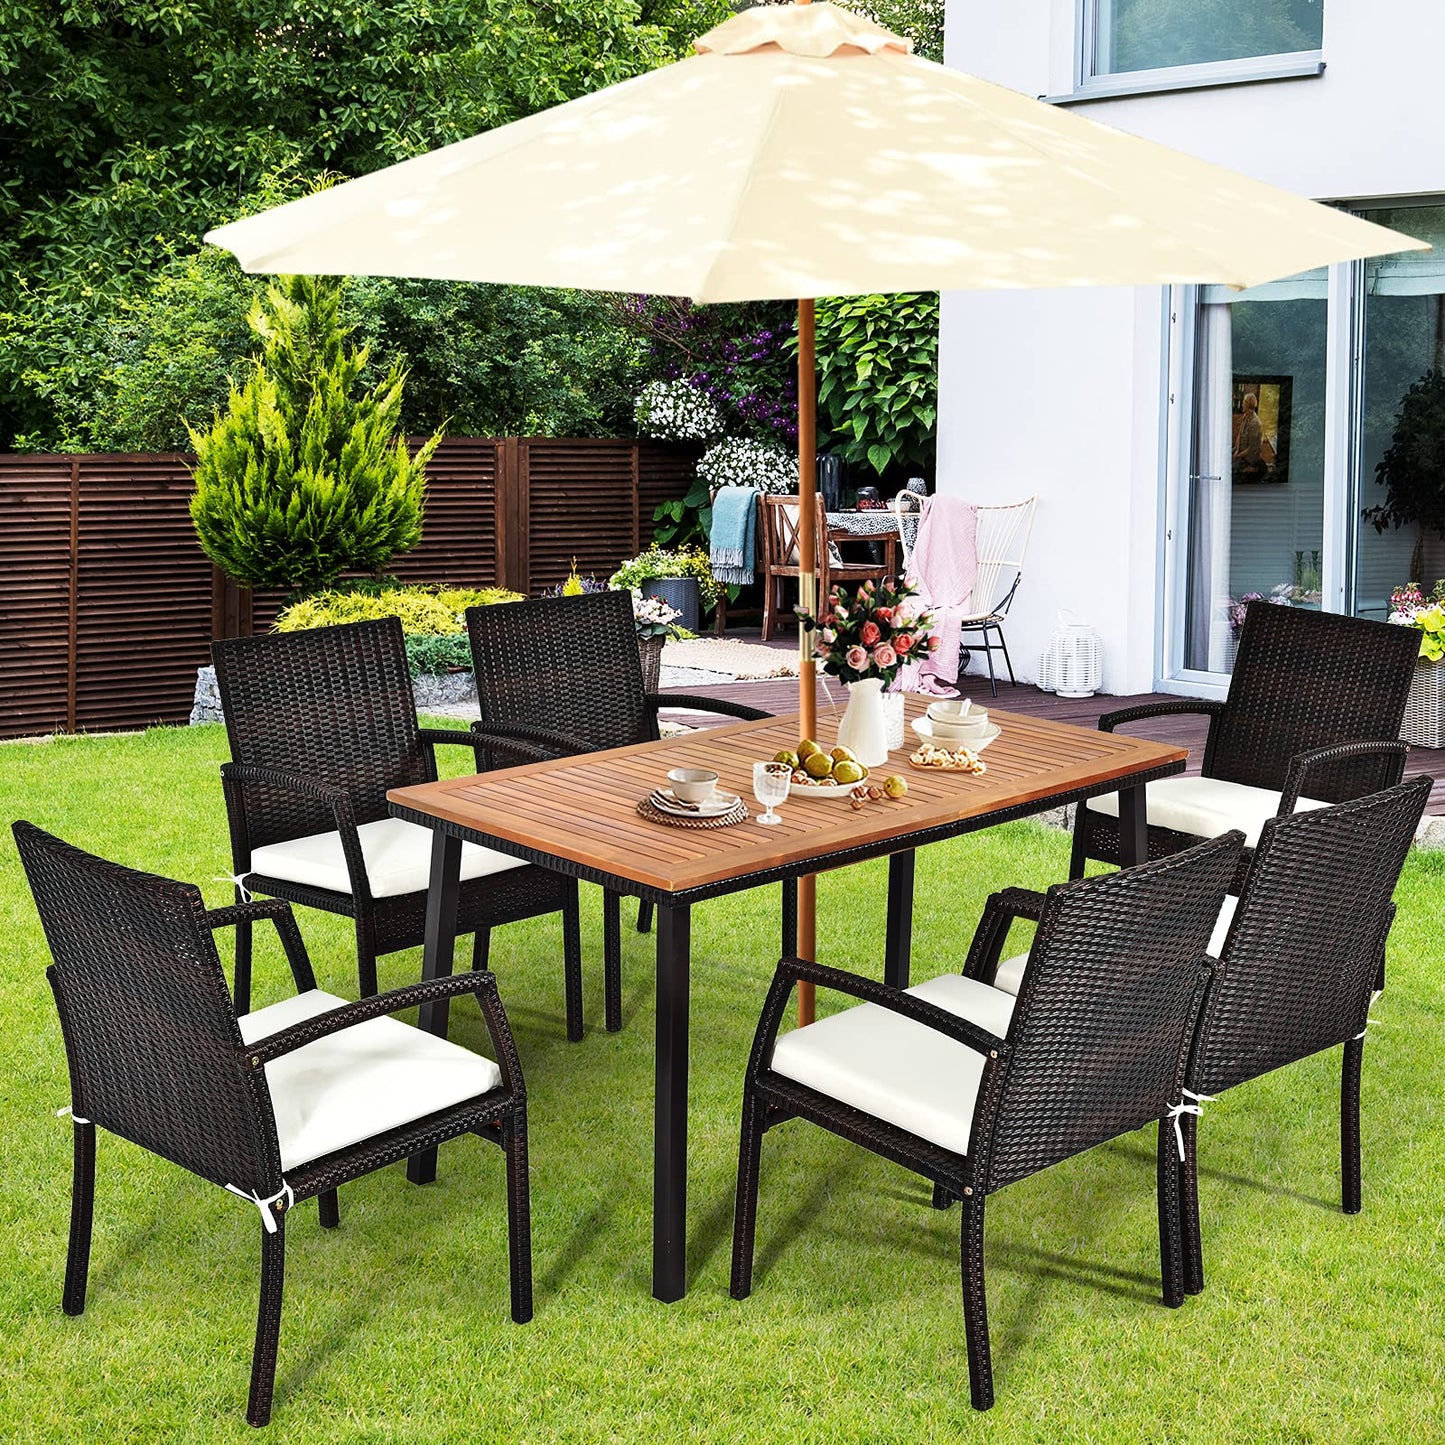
pixel 397 854
pixel 895 1069
pixel 1009 975
pixel 361 1081
pixel 1206 807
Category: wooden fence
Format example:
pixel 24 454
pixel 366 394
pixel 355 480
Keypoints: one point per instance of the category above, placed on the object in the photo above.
pixel 108 605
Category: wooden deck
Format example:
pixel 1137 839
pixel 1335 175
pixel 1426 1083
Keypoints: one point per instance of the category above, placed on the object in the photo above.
pixel 780 695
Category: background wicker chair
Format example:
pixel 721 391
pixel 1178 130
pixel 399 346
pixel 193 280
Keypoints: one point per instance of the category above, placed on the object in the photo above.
pixel 1312 717
pixel 321 724
pixel 1303 950
pixel 563 673
pixel 277 1106
pixel 976 1089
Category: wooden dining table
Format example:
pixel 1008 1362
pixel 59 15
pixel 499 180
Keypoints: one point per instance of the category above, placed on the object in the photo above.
pixel 578 816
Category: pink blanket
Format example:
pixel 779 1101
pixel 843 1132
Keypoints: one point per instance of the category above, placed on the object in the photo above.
pixel 944 566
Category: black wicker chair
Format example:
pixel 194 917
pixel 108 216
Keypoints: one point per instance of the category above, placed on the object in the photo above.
pixel 564 673
pixel 1297 965
pixel 975 1089
pixel 1312 717
pixel 276 1106
pixel 322 723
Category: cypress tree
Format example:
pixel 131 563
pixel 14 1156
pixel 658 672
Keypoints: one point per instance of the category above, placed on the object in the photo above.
pixel 303 475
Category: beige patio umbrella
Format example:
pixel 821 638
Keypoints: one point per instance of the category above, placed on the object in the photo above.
pixel 804 152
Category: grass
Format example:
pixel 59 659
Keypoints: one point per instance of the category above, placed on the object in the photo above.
pixel 1314 1327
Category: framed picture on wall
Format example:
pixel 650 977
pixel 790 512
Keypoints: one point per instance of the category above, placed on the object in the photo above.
pixel 1260 451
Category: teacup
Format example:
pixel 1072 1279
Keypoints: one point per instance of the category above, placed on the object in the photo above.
pixel 693 785
pixel 959 727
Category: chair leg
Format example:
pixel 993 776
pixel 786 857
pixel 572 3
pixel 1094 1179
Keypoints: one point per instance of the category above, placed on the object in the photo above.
pixel 1079 856
pixel 365 961
pixel 745 1210
pixel 481 950
pixel 519 1217
pixel 82 1210
pixel 769 583
pixel 572 959
pixel 328 1206
pixel 1008 662
pixel 975 1304
pixel 1171 1240
pixel 1350 1126
pixel 612 960
pixel 268 1323
pixel 1192 1241
pixel 942 1199
pixel 241 992
pixel 644 916
pixel 988 654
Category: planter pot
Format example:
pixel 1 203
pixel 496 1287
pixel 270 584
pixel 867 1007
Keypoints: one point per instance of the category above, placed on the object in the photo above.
pixel 650 649
pixel 864 728
pixel 1425 712
pixel 681 593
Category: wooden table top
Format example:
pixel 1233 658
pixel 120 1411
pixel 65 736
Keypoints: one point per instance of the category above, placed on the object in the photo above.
pixel 584 809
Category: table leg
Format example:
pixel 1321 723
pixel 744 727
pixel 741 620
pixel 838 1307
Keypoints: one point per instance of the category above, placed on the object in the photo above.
pixel 790 918
pixel 669 1157
pixel 898 944
pixel 436 959
pixel 1133 827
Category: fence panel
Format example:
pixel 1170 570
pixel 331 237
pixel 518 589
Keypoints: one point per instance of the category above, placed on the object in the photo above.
pixel 580 505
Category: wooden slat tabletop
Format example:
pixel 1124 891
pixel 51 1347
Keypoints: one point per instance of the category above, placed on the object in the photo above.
pixel 584 808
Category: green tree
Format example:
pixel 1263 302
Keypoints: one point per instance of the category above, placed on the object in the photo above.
pixel 303 476
pixel 1412 470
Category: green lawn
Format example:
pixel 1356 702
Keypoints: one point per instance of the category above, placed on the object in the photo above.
pixel 1314 1327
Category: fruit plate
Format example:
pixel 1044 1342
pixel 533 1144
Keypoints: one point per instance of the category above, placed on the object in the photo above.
pixel 924 728
pixel 829 789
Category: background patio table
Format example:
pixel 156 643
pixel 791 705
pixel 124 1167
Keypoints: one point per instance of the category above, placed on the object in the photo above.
pixel 876 522
pixel 578 815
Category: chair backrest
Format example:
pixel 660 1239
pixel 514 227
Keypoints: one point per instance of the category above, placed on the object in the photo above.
pixel 1003 541
pixel 150 1033
pixel 1306 679
pixel 1301 955
pixel 569 664
pixel 1105 1011
pixel 334 704
pixel 779 518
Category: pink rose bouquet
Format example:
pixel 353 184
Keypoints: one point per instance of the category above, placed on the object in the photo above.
pixel 872 632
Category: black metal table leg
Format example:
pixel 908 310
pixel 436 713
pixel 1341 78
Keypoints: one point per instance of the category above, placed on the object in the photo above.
pixel 898 944
pixel 436 960
pixel 669 1160
pixel 1133 827
pixel 790 918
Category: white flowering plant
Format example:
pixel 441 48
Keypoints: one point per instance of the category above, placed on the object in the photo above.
pixel 743 462
pixel 676 411
pixel 652 616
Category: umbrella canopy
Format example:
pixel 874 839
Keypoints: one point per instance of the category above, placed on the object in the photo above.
pixel 804 151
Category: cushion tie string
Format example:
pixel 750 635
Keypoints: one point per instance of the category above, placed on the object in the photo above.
pixel 74 1117
pixel 1368 1019
pixel 1177 1111
pixel 268 1219
pixel 239 880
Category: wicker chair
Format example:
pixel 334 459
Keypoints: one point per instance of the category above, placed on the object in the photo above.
pixel 322 723
pixel 564 673
pixel 975 1089
pixel 276 1106
pixel 1312 717
pixel 1297 965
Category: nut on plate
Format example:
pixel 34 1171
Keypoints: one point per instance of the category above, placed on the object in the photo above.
pixel 956 760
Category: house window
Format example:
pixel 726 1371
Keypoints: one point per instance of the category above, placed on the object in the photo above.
pixel 1123 37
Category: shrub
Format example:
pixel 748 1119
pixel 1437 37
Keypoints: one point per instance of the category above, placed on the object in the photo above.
pixel 742 462
pixel 676 411
pixel 301 478
pixel 424 610
pixel 431 653
pixel 659 562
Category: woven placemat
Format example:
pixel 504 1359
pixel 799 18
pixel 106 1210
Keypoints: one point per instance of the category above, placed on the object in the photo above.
pixel 736 814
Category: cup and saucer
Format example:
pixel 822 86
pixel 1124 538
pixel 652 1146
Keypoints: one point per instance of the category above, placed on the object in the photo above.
pixel 957 723
pixel 693 793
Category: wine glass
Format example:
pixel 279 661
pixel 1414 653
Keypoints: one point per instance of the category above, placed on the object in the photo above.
pixel 771 782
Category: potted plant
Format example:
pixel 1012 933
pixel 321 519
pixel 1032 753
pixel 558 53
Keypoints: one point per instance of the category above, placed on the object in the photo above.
pixel 654 619
pixel 865 639
pixel 1425 712
pixel 682 579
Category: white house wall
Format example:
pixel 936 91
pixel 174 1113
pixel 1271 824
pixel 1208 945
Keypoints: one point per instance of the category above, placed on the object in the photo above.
pixel 1061 392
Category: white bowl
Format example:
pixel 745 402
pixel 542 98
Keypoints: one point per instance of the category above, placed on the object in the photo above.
pixel 693 785
pixel 925 728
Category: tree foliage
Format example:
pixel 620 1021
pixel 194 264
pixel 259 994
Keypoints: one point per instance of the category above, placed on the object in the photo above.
pixel 303 476
pixel 1412 470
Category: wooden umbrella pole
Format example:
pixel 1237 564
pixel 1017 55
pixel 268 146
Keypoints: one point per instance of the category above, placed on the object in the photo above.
pixel 807 602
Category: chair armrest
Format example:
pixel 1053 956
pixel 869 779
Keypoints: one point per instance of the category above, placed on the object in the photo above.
pixel 656 700
pixel 478 982
pixel 1301 764
pixel 527 743
pixel 280 778
pixel 999 913
pixel 1205 707
pixel 792 971
pixel 279 912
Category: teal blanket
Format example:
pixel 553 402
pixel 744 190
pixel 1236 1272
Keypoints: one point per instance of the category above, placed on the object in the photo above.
pixel 734 537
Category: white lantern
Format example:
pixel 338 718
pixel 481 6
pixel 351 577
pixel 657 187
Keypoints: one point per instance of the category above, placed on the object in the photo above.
pixel 1073 664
